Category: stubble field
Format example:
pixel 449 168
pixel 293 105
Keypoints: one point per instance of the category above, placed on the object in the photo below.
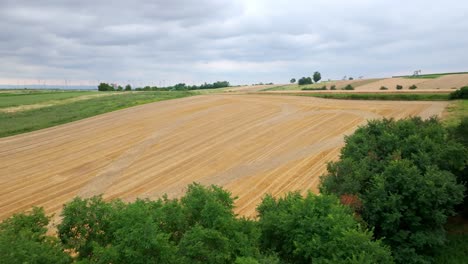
pixel 250 144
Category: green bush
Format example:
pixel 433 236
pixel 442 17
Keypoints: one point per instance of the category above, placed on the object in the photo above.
pixel 404 175
pixel 23 239
pixel 333 87
pixel 348 87
pixel 383 88
pixel 316 229
pixel 315 89
pixel 461 93
pixel 399 87
pixel 413 87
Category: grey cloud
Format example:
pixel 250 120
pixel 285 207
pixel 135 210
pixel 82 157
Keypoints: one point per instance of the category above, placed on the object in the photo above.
pixel 241 41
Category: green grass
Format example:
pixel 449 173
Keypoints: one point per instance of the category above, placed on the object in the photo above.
pixel 16 98
pixel 26 121
pixel 382 96
pixel 455 112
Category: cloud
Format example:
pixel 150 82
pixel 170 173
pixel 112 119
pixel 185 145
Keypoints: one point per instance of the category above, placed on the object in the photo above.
pixel 240 41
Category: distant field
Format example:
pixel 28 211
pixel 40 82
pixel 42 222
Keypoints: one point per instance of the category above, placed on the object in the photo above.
pixel 12 123
pixel 339 85
pixel 382 96
pixel 429 76
pixel 359 95
pixel 12 98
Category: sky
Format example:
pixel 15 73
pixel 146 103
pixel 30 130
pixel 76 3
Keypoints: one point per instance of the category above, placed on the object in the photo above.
pixel 155 42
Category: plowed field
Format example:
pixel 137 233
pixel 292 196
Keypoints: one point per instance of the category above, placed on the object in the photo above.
pixel 250 144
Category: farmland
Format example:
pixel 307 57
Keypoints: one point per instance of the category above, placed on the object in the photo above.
pixel 434 82
pixel 45 109
pixel 250 144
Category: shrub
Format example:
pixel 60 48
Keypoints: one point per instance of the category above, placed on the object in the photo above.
pixel 23 239
pixel 461 93
pixel 399 87
pixel 348 87
pixel 413 87
pixel 333 87
pixel 201 227
pixel 404 174
pixel 315 89
pixel 316 229
pixel 383 88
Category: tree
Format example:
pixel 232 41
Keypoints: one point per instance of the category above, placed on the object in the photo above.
pixel 317 76
pixel 293 80
pixel 102 87
pixel 119 88
pixel 23 239
pixel 316 229
pixel 128 87
pixel 403 174
pixel 305 80
pixel 399 87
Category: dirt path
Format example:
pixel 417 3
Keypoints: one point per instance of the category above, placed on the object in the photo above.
pixel 251 144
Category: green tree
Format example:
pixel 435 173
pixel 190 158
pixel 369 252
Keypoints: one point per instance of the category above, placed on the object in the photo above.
pixel 317 76
pixel 293 80
pixel 23 239
pixel 316 229
pixel 102 87
pixel 403 173
pixel 128 87
pixel 304 81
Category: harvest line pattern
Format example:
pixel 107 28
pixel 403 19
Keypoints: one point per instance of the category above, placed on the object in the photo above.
pixel 251 144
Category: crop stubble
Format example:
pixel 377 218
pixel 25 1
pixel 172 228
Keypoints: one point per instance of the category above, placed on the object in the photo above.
pixel 250 144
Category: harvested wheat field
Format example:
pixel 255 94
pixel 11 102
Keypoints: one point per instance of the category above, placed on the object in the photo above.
pixel 251 144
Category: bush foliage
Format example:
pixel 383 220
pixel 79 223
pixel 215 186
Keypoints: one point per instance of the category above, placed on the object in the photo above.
pixel 403 172
pixel 198 228
pixel 461 93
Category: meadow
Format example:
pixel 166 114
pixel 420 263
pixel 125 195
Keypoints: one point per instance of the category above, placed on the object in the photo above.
pixel 10 98
pixel 16 122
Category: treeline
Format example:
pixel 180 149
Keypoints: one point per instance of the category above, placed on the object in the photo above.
pixel 177 87
pixel 316 77
pixel 386 200
pixel 199 228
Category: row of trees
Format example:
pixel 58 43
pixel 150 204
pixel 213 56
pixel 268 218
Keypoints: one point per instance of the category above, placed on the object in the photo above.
pixel 308 80
pixel 102 87
pixel 386 200
pixel 177 87
pixel 198 228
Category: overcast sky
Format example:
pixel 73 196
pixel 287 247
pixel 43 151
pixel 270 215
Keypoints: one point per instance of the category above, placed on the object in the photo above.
pixel 247 41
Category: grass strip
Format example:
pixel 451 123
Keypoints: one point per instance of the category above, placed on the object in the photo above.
pixel 26 121
pixel 381 96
